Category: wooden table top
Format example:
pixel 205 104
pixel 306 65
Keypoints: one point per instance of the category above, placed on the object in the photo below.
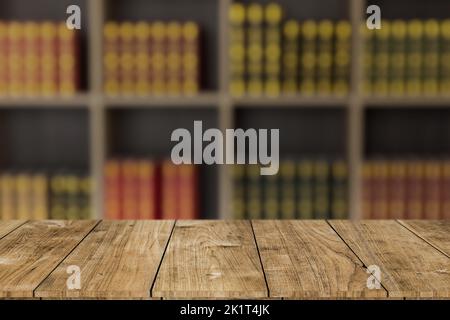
pixel 274 259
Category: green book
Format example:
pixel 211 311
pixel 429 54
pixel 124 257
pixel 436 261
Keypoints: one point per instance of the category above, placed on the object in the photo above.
pixel 272 50
pixel 254 192
pixel 271 200
pixel 381 59
pixel 339 198
pixel 254 52
pixel 237 49
pixel 431 57
pixel 287 192
pixel 305 189
pixel 398 58
pixel 414 57
pixel 342 57
pixel 444 60
pixel 321 189
pixel 308 58
pixel 325 31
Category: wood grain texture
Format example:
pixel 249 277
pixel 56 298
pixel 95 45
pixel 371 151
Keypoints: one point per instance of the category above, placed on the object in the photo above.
pixel 118 259
pixel 409 266
pixel 211 259
pixel 29 254
pixel 307 259
pixel 436 233
pixel 9 225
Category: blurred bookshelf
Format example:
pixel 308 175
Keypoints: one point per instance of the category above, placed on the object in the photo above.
pixel 347 124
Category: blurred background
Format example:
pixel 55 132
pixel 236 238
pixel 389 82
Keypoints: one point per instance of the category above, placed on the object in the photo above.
pixel 86 115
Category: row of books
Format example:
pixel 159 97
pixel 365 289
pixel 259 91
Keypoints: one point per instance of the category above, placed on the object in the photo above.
pixel 149 189
pixel 38 59
pixel 37 195
pixel 408 57
pixel 411 189
pixel 151 58
pixel 303 189
pixel 269 55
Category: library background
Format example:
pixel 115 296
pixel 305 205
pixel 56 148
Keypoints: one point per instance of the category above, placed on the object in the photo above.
pixel 86 116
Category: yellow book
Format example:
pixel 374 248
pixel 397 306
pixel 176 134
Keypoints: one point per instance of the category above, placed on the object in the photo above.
pixel 142 32
pixel 7 197
pixel 325 31
pixel 272 51
pixel 414 57
pixel 15 64
pixel 290 56
pixel 381 59
pixel 237 49
pixel 342 57
pixel 397 59
pixel 444 63
pixel 111 61
pixel 308 57
pixel 431 57
pixel 254 54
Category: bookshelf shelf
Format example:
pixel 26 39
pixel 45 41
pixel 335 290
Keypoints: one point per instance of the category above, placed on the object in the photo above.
pixel 209 99
pixel 80 100
pixel 409 101
pixel 296 101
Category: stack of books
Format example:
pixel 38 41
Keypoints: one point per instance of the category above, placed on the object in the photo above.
pixel 302 189
pixel 270 56
pixel 36 195
pixel 151 58
pixel 408 57
pixel 38 59
pixel 406 189
pixel 149 189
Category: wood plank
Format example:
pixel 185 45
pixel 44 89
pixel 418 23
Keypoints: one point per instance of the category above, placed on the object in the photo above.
pixel 118 259
pixel 436 233
pixel 307 259
pixel 29 254
pixel 211 259
pixel 6 226
pixel 409 266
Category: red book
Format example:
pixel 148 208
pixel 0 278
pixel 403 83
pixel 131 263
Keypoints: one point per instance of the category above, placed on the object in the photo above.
pixel 32 67
pixel 432 190
pixel 397 190
pixel 127 58
pixel 188 193
pixel 49 59
pixel 130 193
pixel 367 192
pixel 414 190
pixel 148 189
pixel 68 57
pixel 380 190
pixel 3 58
pixel 445 194
pixel 112 205
pixel 15 64
pixel 169 205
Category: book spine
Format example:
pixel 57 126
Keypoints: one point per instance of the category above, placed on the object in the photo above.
pixel 174 57
pixel 158 58
pixel 237 50
pixel 113 192
pixel 8 197
pixel 15 64
pixel 291 31
pixel 58 197
pixel 169 207
pixel 127 59
pixel 111 60
pixel 148 189
pixel 23 189
pixel 40 196
pixel 308 57
pixel 444 63
pixel 414 191
pixel 287 190
pixel 305 195
pixel 272 52
pixel 342 57
pixel 142 35
pixel 432 190
pixel 380 190
pixel 339 199
pixel 49 60
pixel 397 190
pixel 321 189
pixel 130 189
pixel 445 195
pixel 238 204
pixel 381 59
pixel 325 31
pixel 32 49
pixel 254 51
pixel 367 190
pixel 85 189
pixel 414 58
pixel 431 57
pixel 397 59
pixel 68 59
pixel 368 59
pixel 3 58
pixel 271 198
pixel 72 197
pixel 190 64
pixel 254 192
pixel 188 192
